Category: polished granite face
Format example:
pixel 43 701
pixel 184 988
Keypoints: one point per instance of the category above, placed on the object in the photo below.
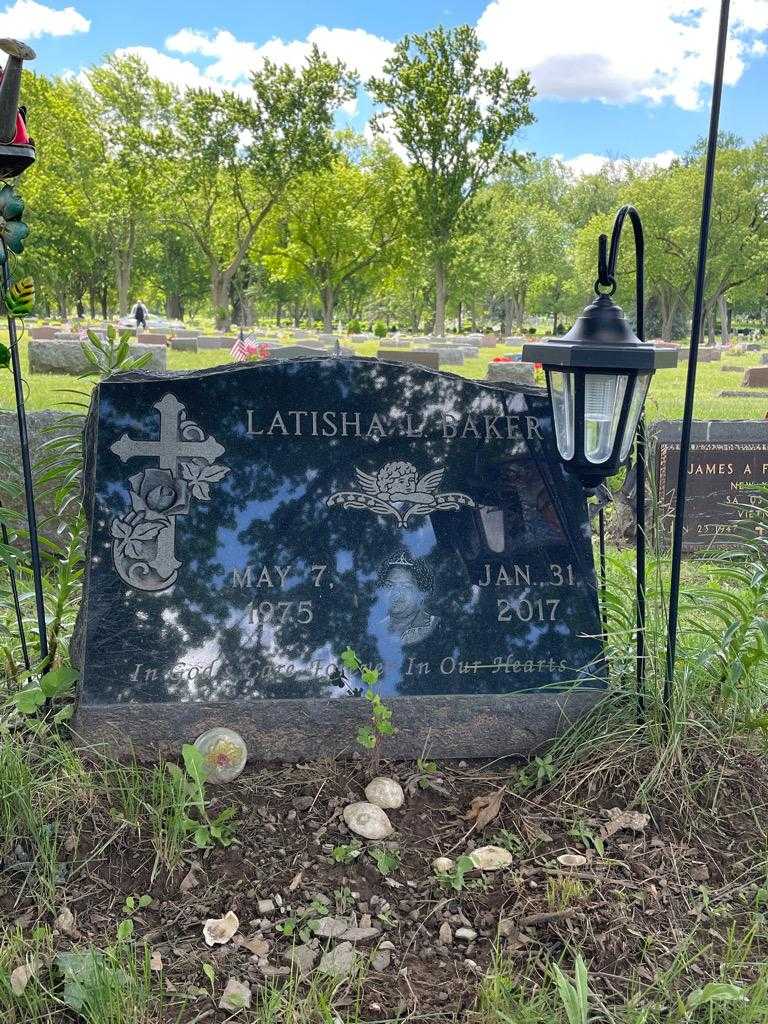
pixel 249 523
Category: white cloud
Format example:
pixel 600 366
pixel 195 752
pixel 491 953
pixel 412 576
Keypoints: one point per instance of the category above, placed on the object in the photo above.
pixel 593 163
pixel 182 73
pixel 623 52
pixel 27 19
pixel 233 59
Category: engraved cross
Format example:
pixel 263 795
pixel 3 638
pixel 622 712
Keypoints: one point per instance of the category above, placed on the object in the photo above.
pixel 170 448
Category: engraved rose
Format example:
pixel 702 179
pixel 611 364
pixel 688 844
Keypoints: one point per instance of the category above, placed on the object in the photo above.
pixel 157 490
pixel 397 478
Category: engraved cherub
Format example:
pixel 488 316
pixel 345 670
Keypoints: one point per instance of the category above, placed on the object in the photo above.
pixel 398 491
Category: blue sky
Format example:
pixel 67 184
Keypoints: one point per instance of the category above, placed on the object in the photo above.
pixel 630 78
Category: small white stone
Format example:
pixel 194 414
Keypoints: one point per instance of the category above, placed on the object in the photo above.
pixel 572 860
pixel 385 792
pixel 491 858
pixel 338 961
pixel 467 934
pixel 445 934
pixel 367 820
pixel 266 907
pixel 329 927
pixel 442 865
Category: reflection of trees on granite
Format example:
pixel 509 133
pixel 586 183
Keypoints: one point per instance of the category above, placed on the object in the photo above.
pixel 270 510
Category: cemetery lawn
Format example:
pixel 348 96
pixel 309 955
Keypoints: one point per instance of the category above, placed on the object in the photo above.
pixel 646 860
pixel 665 402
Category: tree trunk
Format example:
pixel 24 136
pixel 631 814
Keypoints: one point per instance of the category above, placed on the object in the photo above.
pixel 329 301
pixel 220 282
pixel 123 262
pixel 461 317
pixel 506 323
pixel 441 294
pixel 80 307
pixel 724 325
pixel 279 313
pixel 92 301
pixel 555 321
pixel 296 313
pixel 104 307
pixel 174 307
pixel 61 298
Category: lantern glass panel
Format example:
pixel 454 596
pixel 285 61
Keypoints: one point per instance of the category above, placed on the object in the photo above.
pixel 561 393
pixel 603 396
pixel 635 408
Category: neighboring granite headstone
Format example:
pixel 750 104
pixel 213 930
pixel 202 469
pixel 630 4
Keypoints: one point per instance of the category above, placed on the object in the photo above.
pixel 511 370
pixel 248 523
pixel 756 377
pixel 412 357
pixel 728 458
pixel 56 356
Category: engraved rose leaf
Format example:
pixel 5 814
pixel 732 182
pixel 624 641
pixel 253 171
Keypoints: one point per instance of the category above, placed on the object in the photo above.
pixel 120 529
pixel 149 529
pixel 201 476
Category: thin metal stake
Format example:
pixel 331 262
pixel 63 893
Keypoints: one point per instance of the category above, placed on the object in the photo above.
pixel 690 383
pixel 15 595
pixel 26 468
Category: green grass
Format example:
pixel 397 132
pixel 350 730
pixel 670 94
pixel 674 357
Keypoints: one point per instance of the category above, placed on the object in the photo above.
pixel 665 401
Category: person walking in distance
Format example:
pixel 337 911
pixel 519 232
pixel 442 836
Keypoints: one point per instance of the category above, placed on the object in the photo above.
pixel 140 312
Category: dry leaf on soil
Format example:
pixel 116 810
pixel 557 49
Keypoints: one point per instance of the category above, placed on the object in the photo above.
pixel 634 821
pixel 484 809
pixel 192 878
pixel 20 976
pixel 219 930
pixel 255 945
pixel 156 960
pixel 65 923
pixel 236 995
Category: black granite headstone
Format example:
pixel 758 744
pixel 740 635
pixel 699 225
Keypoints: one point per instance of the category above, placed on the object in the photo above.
pixel 248 523
pixel 727 468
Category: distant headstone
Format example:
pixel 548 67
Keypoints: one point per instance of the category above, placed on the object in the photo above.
pixel 185 344
pixel 205 341
pixel 45 331
pixel 413 356
pixel 451 357
pixel 297 352
pixel 56 356
pixel 756 377
pixel 728 459
pixel 519 372
pixel 249 522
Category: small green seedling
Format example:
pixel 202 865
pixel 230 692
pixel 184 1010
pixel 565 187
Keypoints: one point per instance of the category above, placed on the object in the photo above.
pixel 455 879
pixel 205 831
pixel 53 684
pixel 370 736
pixel 346 853
pixel 387 861
pixel 134 903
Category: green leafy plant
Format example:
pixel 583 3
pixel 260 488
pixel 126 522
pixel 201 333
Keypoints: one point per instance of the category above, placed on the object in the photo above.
pixel 456 879
pixel 112 353
pixel 541 771
pixel 52 684
pixel 178 794
pixel 387 861
pixel 347 853
pixel 588 837
pixel 380 329
pixel 574 995
pixel 370 736
pixel 354 327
